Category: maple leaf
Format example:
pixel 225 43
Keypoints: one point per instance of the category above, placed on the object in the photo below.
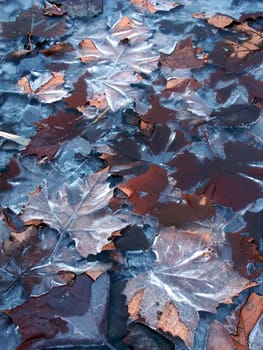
pixel 221 179
pixel 81 210
pixel 189 275
pixel 61 316
pixel 183 56
pixel 154 6
pixel 34 21
pixel 148 193
pixel 52 132
pixel 22 258
pixel 46 89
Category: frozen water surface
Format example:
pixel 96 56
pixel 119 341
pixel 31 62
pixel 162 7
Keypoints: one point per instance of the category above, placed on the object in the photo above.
pixel 151 198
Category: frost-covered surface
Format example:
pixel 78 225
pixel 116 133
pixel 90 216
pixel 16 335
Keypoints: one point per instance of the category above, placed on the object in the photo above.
pixel 163 152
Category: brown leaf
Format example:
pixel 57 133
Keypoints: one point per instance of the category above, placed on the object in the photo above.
pixel 57 49
pixel 48 320
pixel 78 97
pixel 144 190
pixel 157 113
pixel 220 21
pixel 183 56
pixel 236 55
pixel 218 338
pixel 189 275
pixel 192 207
pixel 50 91
pixel 34 21
pixel 11 172
pixel 52 132
pixel 153 6
pixel 244 252
pixel 249 315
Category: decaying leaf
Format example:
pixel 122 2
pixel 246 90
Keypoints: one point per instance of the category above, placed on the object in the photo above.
pixel 183 56
pixel 52 132
pixel 157 113
pixel 49 90
pixel 154 6
pixel 189 275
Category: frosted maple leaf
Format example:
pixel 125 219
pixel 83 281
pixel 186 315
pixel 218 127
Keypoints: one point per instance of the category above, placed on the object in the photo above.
pixel 116 62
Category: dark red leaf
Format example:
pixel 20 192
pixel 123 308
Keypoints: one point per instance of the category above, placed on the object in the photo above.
pixel 183 56
pixel 158 113
pixel 66 315
pixel 244 252
pixel 78 98
pixel 34 21
pixel 12 171
pixel 51 132
pixel 145 190
pixel 221 179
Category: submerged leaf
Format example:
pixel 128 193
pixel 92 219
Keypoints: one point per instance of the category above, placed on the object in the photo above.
pixel 80 209
pixel 51 132
pixel 189 275
pixel 154 6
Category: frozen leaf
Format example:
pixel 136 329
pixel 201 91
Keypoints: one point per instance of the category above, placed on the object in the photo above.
pixel 244 254
pixel 34 21
pixel 49 90
pixel 254 224
pixel 141 337
pixel 79 209
pixel 22 258
pixel 238 54
pixel 183 56
pixel 72 315
pixel 157 113
pixel 179 85
pixel 189 275
pixel 78 97
pixel 249 315
pixel 57 49
pixel 220 179
pixel 52 132
pixel 236 115
pixel 145 190
pixel 153 6
pixel 11 172
pixel 220 21
pixel 218 337
pixel 80 8
pixel 12 220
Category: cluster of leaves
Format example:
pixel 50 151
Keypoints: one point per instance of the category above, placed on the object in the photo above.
pixel 166 226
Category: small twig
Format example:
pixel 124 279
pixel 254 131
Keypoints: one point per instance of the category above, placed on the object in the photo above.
pixel 16 138
pixel 97 119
